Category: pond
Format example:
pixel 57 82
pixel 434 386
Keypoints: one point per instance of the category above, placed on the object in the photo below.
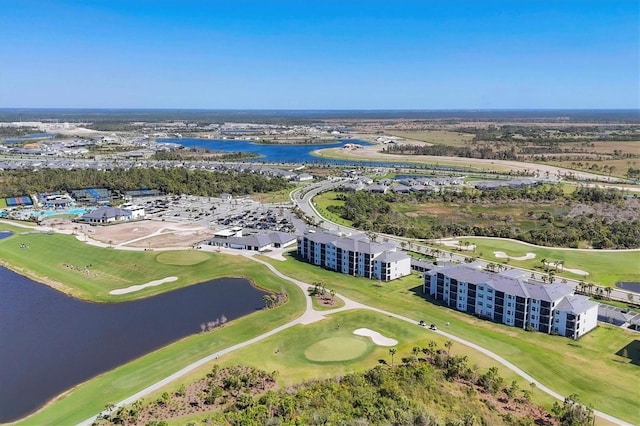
pixel 50 342
pixel 273 153
pixel 629 286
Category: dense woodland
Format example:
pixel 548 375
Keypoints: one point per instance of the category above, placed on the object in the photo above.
pixel 172 180
pixel 378 213
pixel 197 154
pixel 430 386
pixel 471 151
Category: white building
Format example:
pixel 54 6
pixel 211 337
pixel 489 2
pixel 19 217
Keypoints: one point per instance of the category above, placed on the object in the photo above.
pixel 137 212
pixel 355 255
pixel 510 299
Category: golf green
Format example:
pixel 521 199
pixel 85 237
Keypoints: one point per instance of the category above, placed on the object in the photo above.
pixel 336 349
pixel 182 258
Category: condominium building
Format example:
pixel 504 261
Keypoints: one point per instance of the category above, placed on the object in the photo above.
pixel 355 255
pixel 509 298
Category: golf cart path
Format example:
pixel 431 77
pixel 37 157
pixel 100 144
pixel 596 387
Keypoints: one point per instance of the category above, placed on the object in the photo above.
pixel 309 316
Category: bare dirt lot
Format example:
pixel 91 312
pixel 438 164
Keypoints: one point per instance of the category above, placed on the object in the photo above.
pixel 146 233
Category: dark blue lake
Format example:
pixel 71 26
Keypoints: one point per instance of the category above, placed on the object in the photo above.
pixel 629 286
pixel 50 342
pixel 29 137
pixel 271 153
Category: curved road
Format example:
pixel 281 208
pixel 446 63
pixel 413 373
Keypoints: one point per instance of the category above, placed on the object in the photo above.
pixel 309 316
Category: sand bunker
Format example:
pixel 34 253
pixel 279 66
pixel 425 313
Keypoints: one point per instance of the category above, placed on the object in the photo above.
pixel 458 245
pixel 503 255
pixel 140 287
pixel 572 270
pixel 377 338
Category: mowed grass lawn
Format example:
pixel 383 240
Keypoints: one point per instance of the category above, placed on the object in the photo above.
pixel 326 199
pixel 603 267
pixel 61 260
pixel 287 352
pixel 588 367
pixel 118 269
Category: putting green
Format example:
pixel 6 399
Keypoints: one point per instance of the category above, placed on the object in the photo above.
pixel 336 349
pixel 182 258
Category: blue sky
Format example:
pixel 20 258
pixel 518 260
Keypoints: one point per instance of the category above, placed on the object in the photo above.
pixel 312 54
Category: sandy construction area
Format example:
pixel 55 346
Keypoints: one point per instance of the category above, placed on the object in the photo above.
pixel 372 152
pixel 150 233
pixel 376 337
pixel 133 288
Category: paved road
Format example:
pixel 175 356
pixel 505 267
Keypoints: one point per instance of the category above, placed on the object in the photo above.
pixel 306 205
pixel 309 316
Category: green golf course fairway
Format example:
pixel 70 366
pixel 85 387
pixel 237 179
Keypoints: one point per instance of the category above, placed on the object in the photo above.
pixel 604 267
pixel 336 349
pixel 586 367
pixel 182 257
pixel 60 260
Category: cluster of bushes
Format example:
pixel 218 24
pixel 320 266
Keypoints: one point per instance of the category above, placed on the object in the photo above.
pixel 375 212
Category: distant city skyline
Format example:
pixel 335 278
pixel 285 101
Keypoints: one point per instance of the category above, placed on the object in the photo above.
pixel 320 55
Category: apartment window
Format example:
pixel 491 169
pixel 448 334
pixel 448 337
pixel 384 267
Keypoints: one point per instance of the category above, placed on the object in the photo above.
pixel 489 306
pixel 509 305
pixel 533 309
pixel 508 312
pixel 479 303
pixel 557 320
pixel 533 317
pixel 489 290
pixel 490 298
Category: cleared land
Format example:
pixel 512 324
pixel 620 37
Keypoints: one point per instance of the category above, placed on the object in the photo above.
pixel 442 137
pixel 374 153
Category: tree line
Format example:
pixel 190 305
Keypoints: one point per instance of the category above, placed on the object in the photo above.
pixel 176 180
pixel 375 212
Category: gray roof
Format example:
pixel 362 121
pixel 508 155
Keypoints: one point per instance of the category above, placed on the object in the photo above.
pixel 508 282
pixel 575 304
pixel 281 237
pixel 391 256
pixel 548 292
pixel 106 213
pixel 357 243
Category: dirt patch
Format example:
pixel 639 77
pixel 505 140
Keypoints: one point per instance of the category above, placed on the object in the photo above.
pixel 179 239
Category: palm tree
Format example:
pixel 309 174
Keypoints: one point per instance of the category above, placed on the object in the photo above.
pixel 608 291
pixel 544 263
pixel 448 345
pixel 416 351
pixel 392 351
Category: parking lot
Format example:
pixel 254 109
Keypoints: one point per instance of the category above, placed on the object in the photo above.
pixel 620 317
pixel 219 214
